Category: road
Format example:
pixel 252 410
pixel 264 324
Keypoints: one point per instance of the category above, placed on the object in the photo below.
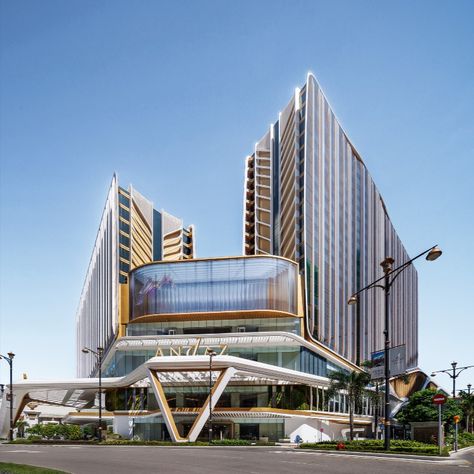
pixel 189 460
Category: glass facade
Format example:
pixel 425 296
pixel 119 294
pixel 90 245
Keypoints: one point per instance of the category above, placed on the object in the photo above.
pixel 253 429
pixel 288 357
pixel 292 325
pixel 232 284
pixel 328 215
pixel 285 397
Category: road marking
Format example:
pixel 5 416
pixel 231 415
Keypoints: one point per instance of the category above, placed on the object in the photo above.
pixel 30 451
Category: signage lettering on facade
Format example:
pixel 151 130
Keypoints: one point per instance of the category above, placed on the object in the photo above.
pixel 190 349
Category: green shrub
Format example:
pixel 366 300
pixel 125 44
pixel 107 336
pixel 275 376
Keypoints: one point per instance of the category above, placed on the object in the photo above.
pixel 396 446
pixel 54 431
pixel 73 432
pixel 87 431
pixel 233 442
pixel 223 442
pixel 465 440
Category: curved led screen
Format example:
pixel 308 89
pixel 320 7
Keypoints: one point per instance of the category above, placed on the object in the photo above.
pixel 203 286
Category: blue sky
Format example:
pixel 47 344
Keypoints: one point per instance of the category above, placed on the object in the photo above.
pixel 173 95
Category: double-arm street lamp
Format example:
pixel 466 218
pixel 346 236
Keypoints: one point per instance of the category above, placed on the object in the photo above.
pixel 211 354
pixel 9 359
pixel 385 283
pixel 98 354
pixel 454 372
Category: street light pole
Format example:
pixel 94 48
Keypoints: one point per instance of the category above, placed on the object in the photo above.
pixel 385 283
pixel 454 364
pixel 211 354
pixel 9 359
pixel 453 372
pixel 387 268
pixel 98 354
pixel 358 323
pixel 99 358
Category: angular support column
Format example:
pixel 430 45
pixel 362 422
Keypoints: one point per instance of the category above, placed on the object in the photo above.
pixel 217 390
pixel 203 415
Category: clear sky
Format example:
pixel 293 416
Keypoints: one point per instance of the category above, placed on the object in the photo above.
pixel 173 95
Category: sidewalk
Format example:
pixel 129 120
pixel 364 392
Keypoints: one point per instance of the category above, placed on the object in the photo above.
pixel 381 454
pixel 454 454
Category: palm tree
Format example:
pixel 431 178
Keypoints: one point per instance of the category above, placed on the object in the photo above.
pixel 20 425
pixel 355 386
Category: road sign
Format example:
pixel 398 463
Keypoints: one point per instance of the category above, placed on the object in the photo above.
pixel 439 399
pixel 456 419
pixel 397 357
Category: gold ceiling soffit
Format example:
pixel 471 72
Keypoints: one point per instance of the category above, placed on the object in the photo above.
pixel 200 316
pixel 232 257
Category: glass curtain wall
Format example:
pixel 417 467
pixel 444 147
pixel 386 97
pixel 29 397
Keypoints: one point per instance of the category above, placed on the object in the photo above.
pixel 289 357
pixel 287 397
pixel 214 285
pixel 292 325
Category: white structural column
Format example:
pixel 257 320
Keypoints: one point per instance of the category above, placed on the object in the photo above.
pixel 203 415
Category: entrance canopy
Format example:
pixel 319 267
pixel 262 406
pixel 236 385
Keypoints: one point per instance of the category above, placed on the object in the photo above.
pixel 162 370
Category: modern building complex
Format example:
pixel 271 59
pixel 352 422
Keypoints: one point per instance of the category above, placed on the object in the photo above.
pixel 243 345
pixel 268 380
pixel 309 197
pixel 131 233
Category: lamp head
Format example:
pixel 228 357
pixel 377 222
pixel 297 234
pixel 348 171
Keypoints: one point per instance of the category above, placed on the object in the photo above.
pixel 211 352
pixel 454 364
pixel 434 253
pixel 11 355
pixel 86 351
pixel 100 349
pixel 433 375
pixel 352 300
pixel 387 264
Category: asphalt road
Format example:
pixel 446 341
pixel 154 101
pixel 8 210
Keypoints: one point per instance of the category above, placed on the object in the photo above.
pixel 251 460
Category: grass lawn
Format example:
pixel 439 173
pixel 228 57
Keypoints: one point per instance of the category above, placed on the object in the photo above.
pixel 10 468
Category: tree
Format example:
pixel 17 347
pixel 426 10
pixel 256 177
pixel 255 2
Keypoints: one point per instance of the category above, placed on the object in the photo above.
pixel 467 406
pixel 420 407
pixel 355 385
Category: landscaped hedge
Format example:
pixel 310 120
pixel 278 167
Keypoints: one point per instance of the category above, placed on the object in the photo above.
pixel 465 440
pixel 127 442
pixel 396 446
pixel 55 431
pixel 224 442
pixel 39 440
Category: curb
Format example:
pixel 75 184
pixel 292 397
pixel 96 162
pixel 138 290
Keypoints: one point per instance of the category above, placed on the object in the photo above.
pixel 142 445
pixel 461 451
pixel 381 454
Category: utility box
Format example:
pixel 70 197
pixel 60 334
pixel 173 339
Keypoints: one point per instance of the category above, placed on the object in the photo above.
pixel 425 431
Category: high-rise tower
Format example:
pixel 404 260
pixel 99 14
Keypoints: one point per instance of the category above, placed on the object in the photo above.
pixel 131 233
pixel 309 197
